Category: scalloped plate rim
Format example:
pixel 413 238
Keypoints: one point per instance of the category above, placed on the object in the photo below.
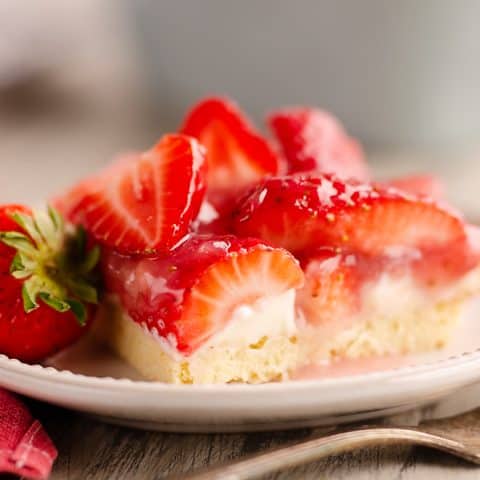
pixel 79 380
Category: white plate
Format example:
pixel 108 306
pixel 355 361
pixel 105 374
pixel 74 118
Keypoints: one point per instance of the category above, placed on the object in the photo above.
pixel 88 379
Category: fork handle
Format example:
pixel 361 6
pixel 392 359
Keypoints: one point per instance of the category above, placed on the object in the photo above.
pixel 310 450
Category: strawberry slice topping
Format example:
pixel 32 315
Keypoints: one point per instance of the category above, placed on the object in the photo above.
pixel 332 291
pixel 339 282
pixel 145 202
pixel 305 213
pixel 332 287
pixel 314 141
pixel 191 295
pixel 237 154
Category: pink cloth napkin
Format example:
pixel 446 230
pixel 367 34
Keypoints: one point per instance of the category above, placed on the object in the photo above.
pixel 25 448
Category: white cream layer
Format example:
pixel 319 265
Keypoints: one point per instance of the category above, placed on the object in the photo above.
pixel 271 317
pixel 390 296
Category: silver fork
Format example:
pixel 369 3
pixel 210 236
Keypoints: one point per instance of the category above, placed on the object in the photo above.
pixel 459 436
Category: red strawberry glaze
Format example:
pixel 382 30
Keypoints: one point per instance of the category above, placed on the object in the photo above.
pixel 190 295
pixel 303 213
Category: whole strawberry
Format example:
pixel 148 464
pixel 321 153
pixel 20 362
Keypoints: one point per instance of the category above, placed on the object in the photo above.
pixel 47 283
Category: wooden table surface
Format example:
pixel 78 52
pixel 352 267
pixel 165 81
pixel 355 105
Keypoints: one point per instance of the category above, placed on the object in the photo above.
pixel 91 450
pixel 78 122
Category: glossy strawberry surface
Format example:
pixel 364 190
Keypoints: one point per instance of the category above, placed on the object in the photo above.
pixel 312 140
pixel 304 213
pixel 189 295
pixel 237 155
pixel 145 202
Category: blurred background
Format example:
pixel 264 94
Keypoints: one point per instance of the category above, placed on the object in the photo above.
pixel 85 79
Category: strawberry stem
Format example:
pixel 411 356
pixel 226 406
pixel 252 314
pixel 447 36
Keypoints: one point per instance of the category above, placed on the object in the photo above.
pixel 53 263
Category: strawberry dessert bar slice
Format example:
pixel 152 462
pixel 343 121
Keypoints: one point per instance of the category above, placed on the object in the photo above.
pixel 219 269
pixel 185 308
pixel 386 272
pixel 217 309
pixel 359 306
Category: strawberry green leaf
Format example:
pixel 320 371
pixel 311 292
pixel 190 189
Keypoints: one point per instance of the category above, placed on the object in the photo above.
pixel 53 262
pixel 22 266
pixel 83 291
pixel 91 260
pixel 19 241
pixel 27 224
pixel 17 264
pixel 53 302
pixel 29 302
pixel 52 238
pixel 56 218
pixel 21 274
pixel 79 310
pixel 80 240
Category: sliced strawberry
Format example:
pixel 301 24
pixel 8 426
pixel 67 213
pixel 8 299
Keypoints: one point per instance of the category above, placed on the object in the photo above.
pixel 304 213
pixel 145 202
pixel 424 185
pixel 190 295
pixel 341 284
pixel 67 201
pixel 314 141
pixel 237 154
pixel 332 287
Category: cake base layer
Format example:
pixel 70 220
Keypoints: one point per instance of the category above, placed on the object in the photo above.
pixel 397 318
pixel 413 328
pixel 269 359
pixel 410 331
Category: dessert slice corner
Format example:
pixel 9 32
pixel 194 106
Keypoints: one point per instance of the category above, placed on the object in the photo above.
pixel 218 310
pixel 356 306
pixel 387 272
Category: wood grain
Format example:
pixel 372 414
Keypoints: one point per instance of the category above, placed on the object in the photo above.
pixel 90 450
